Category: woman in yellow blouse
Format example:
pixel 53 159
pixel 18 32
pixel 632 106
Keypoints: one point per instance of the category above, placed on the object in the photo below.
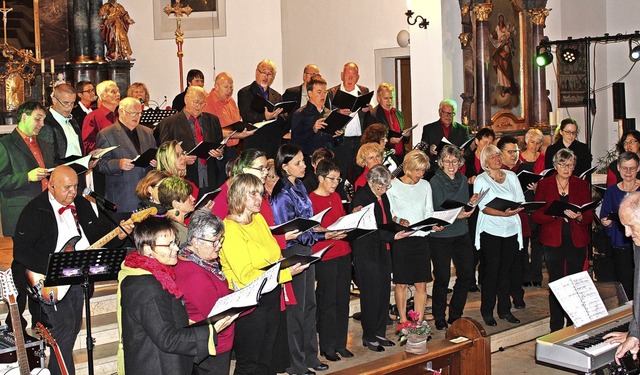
pixel 248 247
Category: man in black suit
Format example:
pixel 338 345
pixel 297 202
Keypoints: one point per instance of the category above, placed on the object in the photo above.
pixel 455 132
pixel 347 150
pixel 268 137
pixel 86 101
pixel 386 114
pixel 299 94
pixel 191 126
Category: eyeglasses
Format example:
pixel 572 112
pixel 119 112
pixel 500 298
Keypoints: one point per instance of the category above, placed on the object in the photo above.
pixel 132 114
pixel 64 104
pixel 451 162
pixel 334 179
pixel 266 73
pixel 629 142
pixel 448 113
pixel 90 90
pixel 174 243
pixel 628 169
pixel 567 132
pixel 215 243
pixel 565 165
pixel 198 103
pixel 183 153
pixel 512 152
pixel 311 74
pixel 262 169
pixel 383 186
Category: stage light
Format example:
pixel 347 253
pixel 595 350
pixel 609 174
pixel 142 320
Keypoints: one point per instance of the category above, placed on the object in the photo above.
pixel 543 55
pixel 569 55
pixel 634 52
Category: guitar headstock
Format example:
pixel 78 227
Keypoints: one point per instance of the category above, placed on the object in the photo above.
pixel 422 146
pixel 8 291
pixel 138 216
pixel 45 334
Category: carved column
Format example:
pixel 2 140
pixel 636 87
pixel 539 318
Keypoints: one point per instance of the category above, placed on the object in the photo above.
pixel 96 47
pixel 467 116
pixel 539 84
pixel 483 109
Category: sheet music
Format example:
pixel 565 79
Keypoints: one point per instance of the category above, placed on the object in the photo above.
pixel 250 294
pixel 448 215
pixel 579 298
pixel 356 220
pixel 263 123
pixel 481 195
pixel 318 217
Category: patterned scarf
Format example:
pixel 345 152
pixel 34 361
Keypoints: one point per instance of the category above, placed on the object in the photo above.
pixel 209 265
pixel 163 273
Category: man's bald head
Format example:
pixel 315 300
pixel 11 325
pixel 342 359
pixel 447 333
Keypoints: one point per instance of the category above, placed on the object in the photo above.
pixel 224 85
pixel 63 184
pixel 629 213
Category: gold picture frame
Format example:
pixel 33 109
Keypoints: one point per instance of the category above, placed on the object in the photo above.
pixel 200 24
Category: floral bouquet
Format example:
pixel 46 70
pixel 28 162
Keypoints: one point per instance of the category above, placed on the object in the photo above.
pixel 413 329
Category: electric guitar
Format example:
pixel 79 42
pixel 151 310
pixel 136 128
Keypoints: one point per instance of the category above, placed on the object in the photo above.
pixel 422 146
pixel 49 340
pixel 54 294
pixel 9 294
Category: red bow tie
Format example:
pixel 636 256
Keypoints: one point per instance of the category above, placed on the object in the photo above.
pixel 67 207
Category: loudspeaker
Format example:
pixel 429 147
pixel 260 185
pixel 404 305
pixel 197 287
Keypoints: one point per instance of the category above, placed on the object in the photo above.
pixel 629 124
pixel 619 107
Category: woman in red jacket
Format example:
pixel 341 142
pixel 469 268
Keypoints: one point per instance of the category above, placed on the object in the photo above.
pixel 565 238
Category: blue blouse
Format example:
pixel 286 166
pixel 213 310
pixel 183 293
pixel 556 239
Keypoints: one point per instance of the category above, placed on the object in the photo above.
pixel 610 204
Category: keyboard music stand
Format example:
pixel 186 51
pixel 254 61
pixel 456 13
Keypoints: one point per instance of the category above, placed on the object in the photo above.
pixel 83 268
pixel 152 117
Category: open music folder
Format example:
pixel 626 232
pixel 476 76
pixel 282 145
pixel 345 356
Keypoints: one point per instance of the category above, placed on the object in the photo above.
pixel 579 298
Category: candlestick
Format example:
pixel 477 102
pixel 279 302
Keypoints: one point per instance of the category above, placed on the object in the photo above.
pixel 42 66
pixel 52 67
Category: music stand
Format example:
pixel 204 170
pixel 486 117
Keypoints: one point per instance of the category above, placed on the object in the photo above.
pixel 152 117
pixel 84 267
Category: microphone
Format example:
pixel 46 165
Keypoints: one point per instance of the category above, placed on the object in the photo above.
pixel 102 201
pixel 387 154
pixel 163 102
pixel 151 101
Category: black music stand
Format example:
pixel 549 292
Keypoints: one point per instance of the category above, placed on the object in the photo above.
pixel 152 117
pixel 84 267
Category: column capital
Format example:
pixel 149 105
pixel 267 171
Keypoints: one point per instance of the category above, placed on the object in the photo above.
pixel 464 10
pixel 482 11
pixel 464 39
pixel 539 15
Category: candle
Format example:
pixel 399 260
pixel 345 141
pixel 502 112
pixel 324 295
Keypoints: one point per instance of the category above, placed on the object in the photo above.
pixel 559 117
pixel 52 67
pixel 552 118
pixel 42 65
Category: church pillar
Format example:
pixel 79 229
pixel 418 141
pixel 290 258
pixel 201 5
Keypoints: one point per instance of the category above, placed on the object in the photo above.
pixel 81 31
pixel 540 111
pixel 466 37
pixel 483 109
pixel 97 44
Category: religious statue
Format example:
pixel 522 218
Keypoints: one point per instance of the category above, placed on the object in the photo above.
pixel 114 30
pixel 503 54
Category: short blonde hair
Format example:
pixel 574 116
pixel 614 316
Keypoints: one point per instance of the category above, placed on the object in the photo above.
pixel 239 187
pixel 533 133
pixel 140 85
pixel 361 157
pixel 414 160
pixel 166 158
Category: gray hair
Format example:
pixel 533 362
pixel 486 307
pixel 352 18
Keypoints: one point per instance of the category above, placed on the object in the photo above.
pixel 626 156
pixel 379 175
pixel 202 223
pixel 486 154
pixel 537 133
pixel 450 102
pixel 450 150
pixel 564 155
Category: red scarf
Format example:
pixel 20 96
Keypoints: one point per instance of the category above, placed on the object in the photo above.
pixel 165 275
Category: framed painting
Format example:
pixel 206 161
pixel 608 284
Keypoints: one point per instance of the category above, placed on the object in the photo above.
pixel 207 19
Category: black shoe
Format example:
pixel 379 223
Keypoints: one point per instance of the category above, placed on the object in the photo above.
pixel 333 357
pixel 321 367
pixel 519 305
pixel 527 284
pixel 490 321
pixel 474 289
pixel 308 372
pixel 384 342
pixel 451 320
pixel 510 318
pixel 373 346
pixel 345 353
pixel 441 324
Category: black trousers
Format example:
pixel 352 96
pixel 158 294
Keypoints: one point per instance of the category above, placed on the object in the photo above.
pixel 532 264
pixel 65 325
pixel 301 317
pixel 498 255
pixel 443 250
pixel 562 261
pixel 517 271
pixel 218 364
pixel 255 335
pixel 373 272
pixel 346 156
pixel 332 296
pixel 624 264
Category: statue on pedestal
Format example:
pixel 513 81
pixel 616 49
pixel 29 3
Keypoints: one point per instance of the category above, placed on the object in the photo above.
pixel 114 30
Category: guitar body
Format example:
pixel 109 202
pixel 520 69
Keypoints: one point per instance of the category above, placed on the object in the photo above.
pixel 14 369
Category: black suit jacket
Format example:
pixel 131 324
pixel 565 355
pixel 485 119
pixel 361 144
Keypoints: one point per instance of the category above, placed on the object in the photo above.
pixel 361 91
pixel 177 127
pixel 268 137
pixel 16 160
pixel 53 137
pixel 432 133
pixel 293 94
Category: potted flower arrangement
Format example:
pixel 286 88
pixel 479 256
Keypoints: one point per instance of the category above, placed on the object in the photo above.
pixel 414 334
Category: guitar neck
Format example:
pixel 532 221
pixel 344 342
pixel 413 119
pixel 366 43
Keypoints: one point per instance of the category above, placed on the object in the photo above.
pixel 104 240
pixel 21 350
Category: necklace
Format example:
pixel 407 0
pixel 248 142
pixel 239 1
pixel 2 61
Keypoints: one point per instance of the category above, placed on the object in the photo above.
pixel 629 190
pixel 564 190
pixel 499 178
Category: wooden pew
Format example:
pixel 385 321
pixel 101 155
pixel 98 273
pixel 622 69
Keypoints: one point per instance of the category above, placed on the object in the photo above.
pixel 471 357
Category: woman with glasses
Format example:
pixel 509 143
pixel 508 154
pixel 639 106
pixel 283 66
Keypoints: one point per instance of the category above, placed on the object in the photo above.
pixel 622 246
pixel 200 278
pixel 368 156
pixel 372 260
pixel 290 200
pixel 172 159
pixel 498 234
pixel 152 319
pixel 378 133
pixel 248 247
pixel 629 142
pixel 565 137
pixel 453 242
pixel 174 193
pixel 411 202
pixel 565 238
pixel 333 273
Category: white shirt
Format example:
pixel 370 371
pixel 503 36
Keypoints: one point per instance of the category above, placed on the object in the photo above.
pixel 66 226
pixel 413 203
pixel 73 142
pixel 85 109
pixel 498 225
pixel 353 128
pixel 304 97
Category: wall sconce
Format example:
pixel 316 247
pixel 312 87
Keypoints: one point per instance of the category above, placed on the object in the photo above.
pixel 423 21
